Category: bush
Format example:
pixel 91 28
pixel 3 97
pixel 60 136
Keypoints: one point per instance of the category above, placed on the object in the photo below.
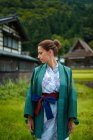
pixel 11 89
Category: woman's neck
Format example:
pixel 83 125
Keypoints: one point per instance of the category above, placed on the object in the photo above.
pixel 52 63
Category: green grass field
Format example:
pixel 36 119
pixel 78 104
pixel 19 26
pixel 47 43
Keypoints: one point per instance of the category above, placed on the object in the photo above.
pixel 83 75
pixel 12 123
pixel 84 130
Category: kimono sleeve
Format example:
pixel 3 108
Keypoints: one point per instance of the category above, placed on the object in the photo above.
pixel 72 112
pixel 29 107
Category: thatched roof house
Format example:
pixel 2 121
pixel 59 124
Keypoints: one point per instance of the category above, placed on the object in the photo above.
pixel 80 55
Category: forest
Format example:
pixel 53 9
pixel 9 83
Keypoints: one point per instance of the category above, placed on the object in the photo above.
pixel 65 20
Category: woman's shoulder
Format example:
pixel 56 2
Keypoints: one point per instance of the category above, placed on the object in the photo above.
pixel 38 68
pixel 67 68
pixel 68 71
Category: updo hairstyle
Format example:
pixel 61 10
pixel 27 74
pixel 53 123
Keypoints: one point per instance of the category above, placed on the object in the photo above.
pixel 50 44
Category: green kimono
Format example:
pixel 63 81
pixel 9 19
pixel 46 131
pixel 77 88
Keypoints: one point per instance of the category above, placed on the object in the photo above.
pixel 67 102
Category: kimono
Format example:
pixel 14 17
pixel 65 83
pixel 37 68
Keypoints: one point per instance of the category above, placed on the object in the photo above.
pixel 66 104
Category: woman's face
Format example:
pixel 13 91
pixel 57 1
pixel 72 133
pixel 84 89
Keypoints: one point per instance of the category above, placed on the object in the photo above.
pixel 43 55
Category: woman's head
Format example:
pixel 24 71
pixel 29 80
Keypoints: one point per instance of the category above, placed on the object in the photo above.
pixel 48 49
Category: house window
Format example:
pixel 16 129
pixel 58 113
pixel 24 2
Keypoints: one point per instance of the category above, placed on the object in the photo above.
pixel 10 42
pixel 5 41
pixel 15 44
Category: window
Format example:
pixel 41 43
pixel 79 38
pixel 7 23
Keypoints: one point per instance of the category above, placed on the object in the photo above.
pixel 10 42
pixel 5 41
pixel 15 44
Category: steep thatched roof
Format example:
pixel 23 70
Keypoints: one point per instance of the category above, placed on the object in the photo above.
pixel 79 50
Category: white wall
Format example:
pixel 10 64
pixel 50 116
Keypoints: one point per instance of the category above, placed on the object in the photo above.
pixel 20 44
pixel 1 40
pixel 7 49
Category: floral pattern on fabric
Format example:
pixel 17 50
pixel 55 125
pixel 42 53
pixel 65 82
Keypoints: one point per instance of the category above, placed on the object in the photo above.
pixel 50 81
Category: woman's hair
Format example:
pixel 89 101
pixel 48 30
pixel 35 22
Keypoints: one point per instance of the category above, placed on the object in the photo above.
pixel 50 44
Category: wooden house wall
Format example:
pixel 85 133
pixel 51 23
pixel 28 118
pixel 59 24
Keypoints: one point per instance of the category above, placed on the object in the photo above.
pixel 13 68
pixel 86 62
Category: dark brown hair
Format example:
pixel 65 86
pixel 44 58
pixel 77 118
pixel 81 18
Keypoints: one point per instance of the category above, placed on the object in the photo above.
pixel 50 44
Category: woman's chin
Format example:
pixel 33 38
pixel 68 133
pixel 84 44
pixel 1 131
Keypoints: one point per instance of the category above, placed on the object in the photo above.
pixel 42 61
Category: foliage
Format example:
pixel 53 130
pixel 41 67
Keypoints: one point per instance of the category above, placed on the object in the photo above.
pixel 11 89
pixel 91 44
pixel 42 19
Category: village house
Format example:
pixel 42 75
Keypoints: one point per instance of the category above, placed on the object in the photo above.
pixel 13 63
pixel 80 55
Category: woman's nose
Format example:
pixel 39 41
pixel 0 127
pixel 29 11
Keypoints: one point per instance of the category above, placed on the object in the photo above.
pixel 38 57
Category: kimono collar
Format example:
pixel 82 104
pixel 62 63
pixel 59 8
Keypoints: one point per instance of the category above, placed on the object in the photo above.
pixel 54 69
pixel 61 75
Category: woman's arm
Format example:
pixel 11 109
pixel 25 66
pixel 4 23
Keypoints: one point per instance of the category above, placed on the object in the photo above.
pixel 72 101
pixel 30 123
pixel 29 108
pixel 71 125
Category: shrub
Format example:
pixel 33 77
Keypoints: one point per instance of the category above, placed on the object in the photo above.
pixel 11 89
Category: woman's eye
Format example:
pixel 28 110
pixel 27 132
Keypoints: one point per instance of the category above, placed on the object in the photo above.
pixel 40 53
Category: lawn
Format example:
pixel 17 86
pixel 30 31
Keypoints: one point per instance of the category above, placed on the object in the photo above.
pixel 12 123
pixel 84 75
pixel 84 130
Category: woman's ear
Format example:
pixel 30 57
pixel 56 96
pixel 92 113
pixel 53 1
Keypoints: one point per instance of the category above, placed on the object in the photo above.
pixel 51 52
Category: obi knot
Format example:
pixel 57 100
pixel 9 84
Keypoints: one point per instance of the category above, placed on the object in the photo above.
pixel 46 99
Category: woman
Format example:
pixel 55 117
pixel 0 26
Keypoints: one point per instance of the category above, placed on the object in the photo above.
pixel 51 103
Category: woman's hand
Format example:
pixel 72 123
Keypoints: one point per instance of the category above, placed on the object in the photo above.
pixel 30 124
pixel 71 125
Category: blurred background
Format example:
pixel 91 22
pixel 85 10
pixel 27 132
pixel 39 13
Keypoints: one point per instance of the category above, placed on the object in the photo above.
pixel 23 24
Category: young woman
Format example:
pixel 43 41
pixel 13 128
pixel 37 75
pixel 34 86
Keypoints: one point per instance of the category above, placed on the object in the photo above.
pixel 51 103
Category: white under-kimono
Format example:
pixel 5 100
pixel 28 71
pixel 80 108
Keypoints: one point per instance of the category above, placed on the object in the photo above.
pixel 51 83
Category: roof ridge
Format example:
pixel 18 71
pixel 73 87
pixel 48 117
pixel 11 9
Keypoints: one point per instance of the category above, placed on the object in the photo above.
pixel 84 45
